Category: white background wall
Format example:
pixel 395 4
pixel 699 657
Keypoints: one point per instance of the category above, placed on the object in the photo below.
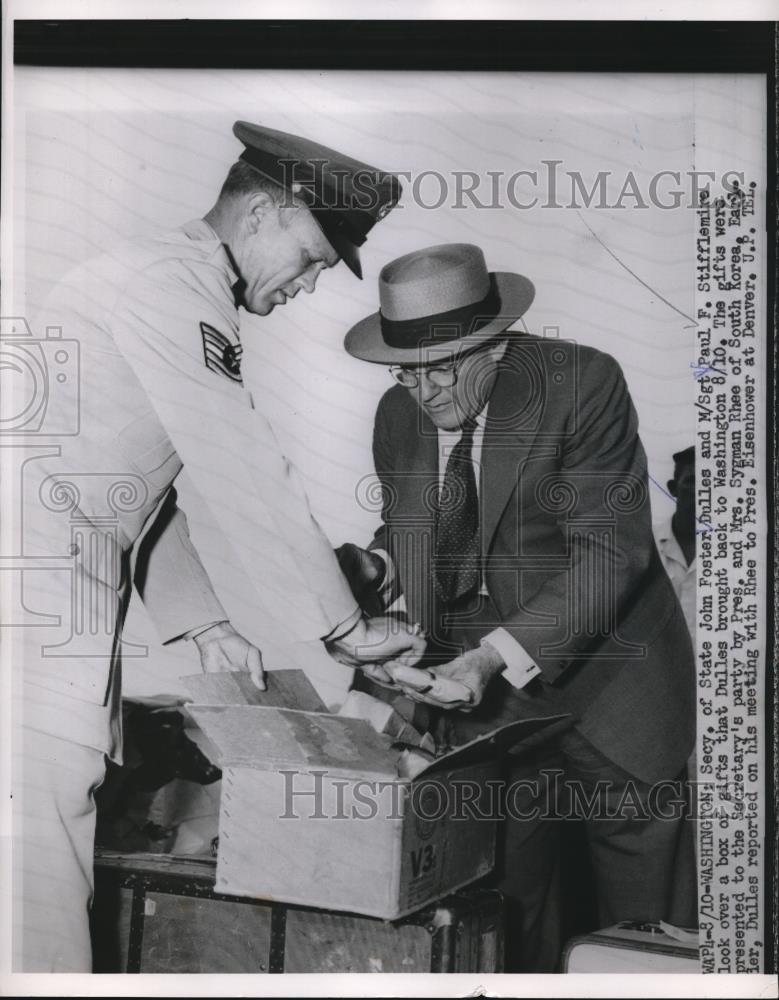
pixel 103 155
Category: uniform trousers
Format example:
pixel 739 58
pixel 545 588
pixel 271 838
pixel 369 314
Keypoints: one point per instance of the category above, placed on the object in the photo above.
pixel 54 835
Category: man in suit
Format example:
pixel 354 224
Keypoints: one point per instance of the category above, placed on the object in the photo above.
pixel 153 328
pixel 516 529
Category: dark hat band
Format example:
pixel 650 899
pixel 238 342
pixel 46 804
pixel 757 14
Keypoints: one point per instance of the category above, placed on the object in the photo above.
pixel 409 333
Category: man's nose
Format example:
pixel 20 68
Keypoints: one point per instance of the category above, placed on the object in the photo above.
pixel 308 279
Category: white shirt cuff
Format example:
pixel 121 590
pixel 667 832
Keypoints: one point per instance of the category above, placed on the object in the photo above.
pixel 198 630
pixel 345 627
pixel 520 667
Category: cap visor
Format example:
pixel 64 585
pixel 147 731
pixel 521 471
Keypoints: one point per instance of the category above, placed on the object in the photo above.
pixel 345 249
pixel 350 255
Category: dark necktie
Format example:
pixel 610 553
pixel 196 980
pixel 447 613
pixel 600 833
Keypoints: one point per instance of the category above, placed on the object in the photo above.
pixel 457 524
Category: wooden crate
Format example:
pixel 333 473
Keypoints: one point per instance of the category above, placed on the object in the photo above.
pixel 161 914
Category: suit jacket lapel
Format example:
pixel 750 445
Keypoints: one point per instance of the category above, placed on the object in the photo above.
pixel 414 516
pixel 418 465
pixel 512 426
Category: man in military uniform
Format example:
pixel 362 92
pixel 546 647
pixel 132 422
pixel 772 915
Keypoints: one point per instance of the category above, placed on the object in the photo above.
pixel 157 324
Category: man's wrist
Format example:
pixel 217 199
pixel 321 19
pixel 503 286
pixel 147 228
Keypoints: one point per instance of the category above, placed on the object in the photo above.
pixel 519 668
pixel 215 630
pixel 354 636
pixel 344 628
pixel 488 660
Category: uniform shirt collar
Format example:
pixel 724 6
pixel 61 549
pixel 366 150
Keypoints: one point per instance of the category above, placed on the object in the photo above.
pixel 202 232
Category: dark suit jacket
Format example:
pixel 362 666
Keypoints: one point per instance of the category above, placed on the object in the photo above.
pixel 569 560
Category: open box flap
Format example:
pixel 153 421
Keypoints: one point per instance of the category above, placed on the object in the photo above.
pixel 499 740
pixel 272 739
pixel 285 689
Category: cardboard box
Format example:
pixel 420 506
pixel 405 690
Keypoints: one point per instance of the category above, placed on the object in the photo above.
pixel 314 811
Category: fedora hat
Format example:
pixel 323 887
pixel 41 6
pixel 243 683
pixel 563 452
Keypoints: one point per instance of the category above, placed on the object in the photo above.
pixel 436 303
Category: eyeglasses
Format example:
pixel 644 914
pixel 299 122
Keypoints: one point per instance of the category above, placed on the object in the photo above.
pixel 440 375
pixel 444 375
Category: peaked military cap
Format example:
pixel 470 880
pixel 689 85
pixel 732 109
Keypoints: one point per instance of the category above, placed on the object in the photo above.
pixel 346 197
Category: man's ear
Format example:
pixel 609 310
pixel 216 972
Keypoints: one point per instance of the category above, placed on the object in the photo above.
pixel 671 484
pixel 259 206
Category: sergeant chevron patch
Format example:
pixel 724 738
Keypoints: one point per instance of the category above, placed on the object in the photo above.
pixel 222 356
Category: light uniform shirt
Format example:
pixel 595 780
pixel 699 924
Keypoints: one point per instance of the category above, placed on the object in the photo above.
pixel 682 576
pixel 229 448
pixel 520 667
pixel 152 327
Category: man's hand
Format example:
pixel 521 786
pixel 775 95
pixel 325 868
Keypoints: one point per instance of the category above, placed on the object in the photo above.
pixel 364 571
pixel 382 641
pixel 222 648
pixel 461 683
